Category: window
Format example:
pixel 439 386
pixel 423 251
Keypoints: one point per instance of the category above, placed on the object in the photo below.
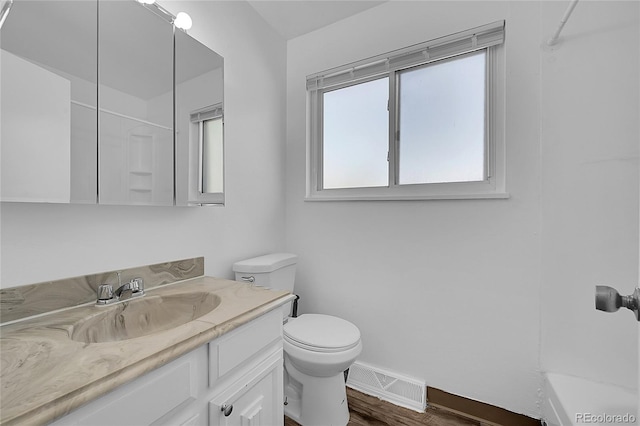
pixel 206 158
pixel 355 132
pixel 211 158
pixel 419 123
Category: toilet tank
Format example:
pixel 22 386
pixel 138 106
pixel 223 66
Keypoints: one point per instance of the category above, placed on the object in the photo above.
pixel 277 270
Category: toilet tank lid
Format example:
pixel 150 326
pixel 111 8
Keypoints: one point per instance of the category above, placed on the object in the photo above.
pixel 266 263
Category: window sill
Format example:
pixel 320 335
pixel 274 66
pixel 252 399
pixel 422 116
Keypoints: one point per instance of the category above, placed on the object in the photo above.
pixel 333 197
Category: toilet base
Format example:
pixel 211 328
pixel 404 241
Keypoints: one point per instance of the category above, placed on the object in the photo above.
pixel 315 401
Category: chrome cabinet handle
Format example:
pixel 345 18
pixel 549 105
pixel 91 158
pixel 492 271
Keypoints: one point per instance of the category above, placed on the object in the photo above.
pixel 226 409
pixel 249 279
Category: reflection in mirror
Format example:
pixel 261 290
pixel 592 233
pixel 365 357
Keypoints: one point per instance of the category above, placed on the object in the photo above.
pixel 199 122
pixel 49 98
pixel 136 105
pixel 211 156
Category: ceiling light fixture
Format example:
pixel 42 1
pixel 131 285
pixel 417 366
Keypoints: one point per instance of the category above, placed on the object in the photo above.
pixel 183 21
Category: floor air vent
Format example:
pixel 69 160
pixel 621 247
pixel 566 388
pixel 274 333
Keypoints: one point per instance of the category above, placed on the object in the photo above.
pixel 388 386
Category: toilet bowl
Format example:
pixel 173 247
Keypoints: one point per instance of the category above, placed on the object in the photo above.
pixel 317 351
pixel 317 348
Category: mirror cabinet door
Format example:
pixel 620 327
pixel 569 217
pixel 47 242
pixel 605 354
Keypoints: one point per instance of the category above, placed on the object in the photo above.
pixel 199 123
pixel 49 102
pixel 89 105
pixel 136 147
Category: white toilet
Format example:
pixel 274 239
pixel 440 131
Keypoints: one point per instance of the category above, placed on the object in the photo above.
pixel 317 348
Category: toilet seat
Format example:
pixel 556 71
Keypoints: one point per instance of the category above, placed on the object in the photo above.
pixel 321 333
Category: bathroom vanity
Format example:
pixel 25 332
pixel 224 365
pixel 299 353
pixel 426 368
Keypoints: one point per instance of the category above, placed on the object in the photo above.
pixel 234 379
pixel 223 367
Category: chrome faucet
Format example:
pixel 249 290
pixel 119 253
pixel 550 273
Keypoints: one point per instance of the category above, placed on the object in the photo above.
pixel 107 296
pixel 133 288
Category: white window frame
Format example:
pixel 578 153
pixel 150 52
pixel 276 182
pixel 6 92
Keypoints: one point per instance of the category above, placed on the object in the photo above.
pixel 197 119
pixel 489 37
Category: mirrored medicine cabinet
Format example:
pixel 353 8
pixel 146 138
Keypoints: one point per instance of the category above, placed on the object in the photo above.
pixel 108 102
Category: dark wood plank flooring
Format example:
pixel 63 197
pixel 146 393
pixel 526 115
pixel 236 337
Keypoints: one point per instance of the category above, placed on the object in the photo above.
pixel 368 410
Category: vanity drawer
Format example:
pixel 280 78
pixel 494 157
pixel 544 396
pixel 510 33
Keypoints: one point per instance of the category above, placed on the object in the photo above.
pixel 235 348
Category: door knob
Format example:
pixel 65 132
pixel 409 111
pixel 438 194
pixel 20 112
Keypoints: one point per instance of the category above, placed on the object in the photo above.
pixel 609 300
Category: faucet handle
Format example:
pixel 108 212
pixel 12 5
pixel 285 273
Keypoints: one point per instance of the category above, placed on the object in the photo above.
pixel 137 286
pixel 105 294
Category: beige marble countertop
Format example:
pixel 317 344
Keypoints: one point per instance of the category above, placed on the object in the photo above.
pixel 44 374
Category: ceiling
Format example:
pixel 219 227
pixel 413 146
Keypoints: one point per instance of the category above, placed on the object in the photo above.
pixel 293 18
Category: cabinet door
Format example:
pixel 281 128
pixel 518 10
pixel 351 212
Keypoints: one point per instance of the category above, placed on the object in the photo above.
pixel 199 115
pixel 254 400
pixel 48 80
pixel 135 157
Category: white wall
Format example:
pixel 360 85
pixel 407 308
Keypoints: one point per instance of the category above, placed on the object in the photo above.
pixel 455 292
pixel 42 242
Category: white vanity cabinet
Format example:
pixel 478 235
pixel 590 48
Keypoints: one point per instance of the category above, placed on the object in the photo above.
pixel 236 379
pixel 255 400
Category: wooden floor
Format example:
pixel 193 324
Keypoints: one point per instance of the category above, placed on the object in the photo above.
pixel 368 410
